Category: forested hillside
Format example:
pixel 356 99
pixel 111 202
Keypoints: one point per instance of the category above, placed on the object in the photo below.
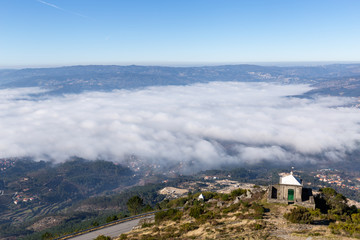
pixel 75 79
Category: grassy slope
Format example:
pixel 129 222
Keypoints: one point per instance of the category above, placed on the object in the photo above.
pixel 250 218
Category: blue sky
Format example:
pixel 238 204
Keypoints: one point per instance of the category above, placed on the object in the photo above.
pixel 167 32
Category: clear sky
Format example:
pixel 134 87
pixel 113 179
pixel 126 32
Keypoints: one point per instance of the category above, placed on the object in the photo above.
pixel 69 32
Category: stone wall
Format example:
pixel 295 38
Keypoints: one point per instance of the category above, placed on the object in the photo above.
pixel 278 193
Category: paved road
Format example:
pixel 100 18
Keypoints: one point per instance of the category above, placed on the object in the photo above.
pixel 112 231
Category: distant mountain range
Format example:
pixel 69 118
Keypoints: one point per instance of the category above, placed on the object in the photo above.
pixel 335 79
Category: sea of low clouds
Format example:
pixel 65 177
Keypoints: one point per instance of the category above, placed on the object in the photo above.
pixel 208 125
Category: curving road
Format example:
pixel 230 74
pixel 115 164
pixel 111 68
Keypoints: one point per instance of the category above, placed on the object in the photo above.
pixel 112 231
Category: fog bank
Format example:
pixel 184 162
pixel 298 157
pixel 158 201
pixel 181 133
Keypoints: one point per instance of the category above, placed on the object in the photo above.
pixel 209 124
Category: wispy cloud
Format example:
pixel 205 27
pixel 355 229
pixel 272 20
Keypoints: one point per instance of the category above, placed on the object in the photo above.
pixel 61 9
pixel 51 5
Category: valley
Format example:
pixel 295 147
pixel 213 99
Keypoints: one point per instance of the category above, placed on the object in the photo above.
pixel 86 202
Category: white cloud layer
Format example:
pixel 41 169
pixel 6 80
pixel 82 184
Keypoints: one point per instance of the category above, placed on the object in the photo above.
pixel 211 124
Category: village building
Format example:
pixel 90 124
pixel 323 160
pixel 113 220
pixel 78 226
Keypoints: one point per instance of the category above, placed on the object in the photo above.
pixel 290 190
pixel 201 197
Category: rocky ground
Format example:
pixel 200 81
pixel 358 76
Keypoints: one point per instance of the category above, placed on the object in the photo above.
pixel 46 222
pixel 221 186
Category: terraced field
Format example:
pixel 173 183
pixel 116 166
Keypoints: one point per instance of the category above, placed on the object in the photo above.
pixel 30 212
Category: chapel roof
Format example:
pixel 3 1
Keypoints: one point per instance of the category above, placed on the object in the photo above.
pixel 291 180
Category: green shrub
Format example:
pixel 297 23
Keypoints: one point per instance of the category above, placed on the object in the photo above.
pixel 203 218
pixel 187 227
pixel 111 218
pixel 147 208
pixel 123 236
pixel 163 204
pixel 149 237
pixel 246 205
pixel 196 211
pixel 170 235
pixel 177 216
pixel 257 226
pixel 47 235
pixel 259 211
pixel 231 208
pixel 102 237
pixel 179 202
pixel 171 214
pixel 350 227
pixel 315 234
pixel 332 202
pixel 146 224
pixel 346 228
pixel 170 229
pixel 238 192
pixel 225 197
pixel 299 215
pixel 209 195
pixel 315 212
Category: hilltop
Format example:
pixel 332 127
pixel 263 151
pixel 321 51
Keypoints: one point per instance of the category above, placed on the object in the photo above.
pixel 245 214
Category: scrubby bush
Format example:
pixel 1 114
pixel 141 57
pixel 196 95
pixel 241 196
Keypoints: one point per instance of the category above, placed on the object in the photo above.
pixel 259 210
pixel 47 235
pixel 237 192
pixel 149 237
pixel 146 224
pixel 163 204
pixel 111 218
pixel 147 208
pixel 246 205
pixel 355 218
pixel 102 237
pixel 123 236
pixel 332 202
pixel 231 208
pixel 187 227
pixel 225 197
pixel 350 227
pixel 171 214
pixel 346 228
pixel 299 215
pixel 177 216
pixel 179 202
pixel 196 211
pixel 209 195
pixel 170 235
pixel 206 216
pixel 334 205
pixel 315 212
pixel 257 226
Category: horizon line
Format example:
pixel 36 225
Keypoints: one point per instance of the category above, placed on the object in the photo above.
pixel 185 64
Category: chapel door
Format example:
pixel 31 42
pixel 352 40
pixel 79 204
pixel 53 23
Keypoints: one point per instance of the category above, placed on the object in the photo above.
pixel 291 195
